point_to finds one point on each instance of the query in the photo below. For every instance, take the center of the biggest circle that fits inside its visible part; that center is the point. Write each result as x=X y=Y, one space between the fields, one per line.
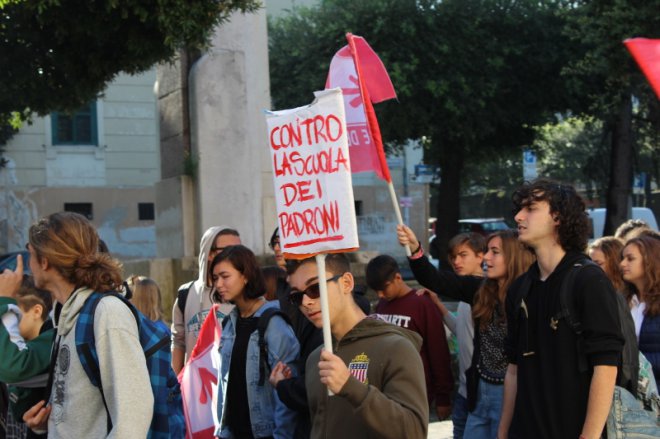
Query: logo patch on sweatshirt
x=359 y=366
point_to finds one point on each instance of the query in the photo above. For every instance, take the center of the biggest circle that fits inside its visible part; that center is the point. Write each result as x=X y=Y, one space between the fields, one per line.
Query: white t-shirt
x=637 y=310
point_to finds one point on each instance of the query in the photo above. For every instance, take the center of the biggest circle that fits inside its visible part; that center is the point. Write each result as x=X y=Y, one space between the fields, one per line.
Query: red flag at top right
x=647 y=54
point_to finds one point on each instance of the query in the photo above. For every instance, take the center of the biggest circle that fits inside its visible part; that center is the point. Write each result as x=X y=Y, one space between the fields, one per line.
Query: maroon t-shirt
x=419 y=314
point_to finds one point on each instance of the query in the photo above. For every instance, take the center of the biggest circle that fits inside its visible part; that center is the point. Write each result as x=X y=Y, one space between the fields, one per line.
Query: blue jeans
x=482 y=423
x=627 y=418
x=459 y=415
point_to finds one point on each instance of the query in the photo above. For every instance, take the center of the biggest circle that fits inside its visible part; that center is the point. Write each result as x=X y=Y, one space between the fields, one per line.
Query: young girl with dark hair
x=505 y=260
x=250 y=407
x=641 y=272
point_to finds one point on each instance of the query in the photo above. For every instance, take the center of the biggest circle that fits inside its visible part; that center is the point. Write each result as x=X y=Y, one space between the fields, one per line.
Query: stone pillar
x=176 y=235
x=229 y=89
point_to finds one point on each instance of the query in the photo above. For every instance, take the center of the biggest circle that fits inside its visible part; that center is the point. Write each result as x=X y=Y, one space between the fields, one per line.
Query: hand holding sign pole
x=313 y=185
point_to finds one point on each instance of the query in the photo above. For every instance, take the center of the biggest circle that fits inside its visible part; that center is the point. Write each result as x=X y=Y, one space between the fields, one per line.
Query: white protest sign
x=312 y=177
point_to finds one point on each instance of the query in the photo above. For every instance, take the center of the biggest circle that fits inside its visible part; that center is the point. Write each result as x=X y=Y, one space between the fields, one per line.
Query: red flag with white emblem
x=363 y=79
x=199 y=381
x=647 y=54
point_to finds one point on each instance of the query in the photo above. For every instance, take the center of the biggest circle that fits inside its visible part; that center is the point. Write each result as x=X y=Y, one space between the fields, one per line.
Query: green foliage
x=9 y=125
x=575 y=150
x=600 y=72
x=60 y=54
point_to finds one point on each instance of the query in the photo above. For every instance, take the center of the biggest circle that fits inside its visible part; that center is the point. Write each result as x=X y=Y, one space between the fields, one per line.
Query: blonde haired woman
x=147 y=299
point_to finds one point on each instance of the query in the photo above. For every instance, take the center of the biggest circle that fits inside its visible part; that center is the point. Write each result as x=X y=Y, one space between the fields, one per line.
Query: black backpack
x=262 y=325
x=182 y=296
x=628 y=370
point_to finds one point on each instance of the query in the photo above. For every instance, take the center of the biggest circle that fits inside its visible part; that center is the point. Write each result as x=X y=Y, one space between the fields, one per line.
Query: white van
x=598 y=219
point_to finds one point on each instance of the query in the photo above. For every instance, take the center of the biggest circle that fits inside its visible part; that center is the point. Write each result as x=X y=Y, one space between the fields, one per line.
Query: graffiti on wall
x=17 y=212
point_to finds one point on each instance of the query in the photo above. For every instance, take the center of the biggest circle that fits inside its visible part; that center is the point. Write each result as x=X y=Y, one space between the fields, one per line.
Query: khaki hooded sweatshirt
x=385 y=397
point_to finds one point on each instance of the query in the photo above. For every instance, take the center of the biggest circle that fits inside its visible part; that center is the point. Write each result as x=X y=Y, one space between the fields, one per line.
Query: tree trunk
x=621 y=159
x=451 y=166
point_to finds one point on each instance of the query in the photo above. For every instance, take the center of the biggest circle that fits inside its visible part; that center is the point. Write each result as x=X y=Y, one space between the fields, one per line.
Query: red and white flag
x=647 y=54
x=363 y=79
x=199 y=381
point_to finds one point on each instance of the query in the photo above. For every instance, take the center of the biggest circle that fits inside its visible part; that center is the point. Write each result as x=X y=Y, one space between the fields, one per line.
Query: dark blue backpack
x=168 y=421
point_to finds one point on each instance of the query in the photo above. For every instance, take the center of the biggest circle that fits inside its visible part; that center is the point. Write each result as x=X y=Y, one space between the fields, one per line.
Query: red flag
x=361 y=75
x=647 y=54
x=199 y=381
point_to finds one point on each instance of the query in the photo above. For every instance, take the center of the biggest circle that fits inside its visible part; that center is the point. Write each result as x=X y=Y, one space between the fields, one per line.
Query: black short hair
x=565 y=204
x=335 y=263
x=274 y=236
x=243 y=260
x=381 y=270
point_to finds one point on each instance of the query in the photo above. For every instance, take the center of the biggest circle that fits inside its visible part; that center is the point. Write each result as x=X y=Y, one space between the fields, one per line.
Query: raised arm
x=440 y=281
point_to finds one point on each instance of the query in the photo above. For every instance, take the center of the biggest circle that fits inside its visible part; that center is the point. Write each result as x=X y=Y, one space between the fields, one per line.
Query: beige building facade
x=102 y=161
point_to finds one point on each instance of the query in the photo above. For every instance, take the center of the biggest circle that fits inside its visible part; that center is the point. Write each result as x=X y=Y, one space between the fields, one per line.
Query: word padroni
x=316 y=220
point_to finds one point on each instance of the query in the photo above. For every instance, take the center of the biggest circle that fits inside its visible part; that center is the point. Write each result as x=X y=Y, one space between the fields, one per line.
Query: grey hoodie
x=77 y=406
x=186 y=326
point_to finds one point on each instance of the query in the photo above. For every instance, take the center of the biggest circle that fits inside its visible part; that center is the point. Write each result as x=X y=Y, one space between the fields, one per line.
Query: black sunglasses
x=313 y=292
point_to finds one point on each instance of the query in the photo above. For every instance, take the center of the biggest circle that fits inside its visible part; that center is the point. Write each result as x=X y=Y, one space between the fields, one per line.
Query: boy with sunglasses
x=401 y=305
x=375 y=373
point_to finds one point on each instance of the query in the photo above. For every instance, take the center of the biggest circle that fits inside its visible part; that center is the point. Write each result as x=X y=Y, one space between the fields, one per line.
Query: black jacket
x=552 y=394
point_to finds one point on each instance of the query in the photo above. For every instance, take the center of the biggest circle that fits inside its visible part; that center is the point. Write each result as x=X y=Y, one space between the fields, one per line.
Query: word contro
x=324 y=161
x=306 y=132
x=313 y=221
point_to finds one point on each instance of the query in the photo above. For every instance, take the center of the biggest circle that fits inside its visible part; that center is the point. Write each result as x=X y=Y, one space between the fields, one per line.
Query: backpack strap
x=520 y=308
x=262 y=325
x=225 y=319
x=86 y=341
x=182 y=296
x=568 y=310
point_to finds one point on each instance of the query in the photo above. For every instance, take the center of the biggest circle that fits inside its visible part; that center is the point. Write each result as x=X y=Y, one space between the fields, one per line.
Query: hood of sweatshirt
x=372 y=327
x=71 y=309
x=204 y=249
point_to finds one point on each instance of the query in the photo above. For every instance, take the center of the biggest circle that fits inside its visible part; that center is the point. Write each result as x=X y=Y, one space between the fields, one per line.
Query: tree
x=60 y=54
x=471 y=75
x=605 y=82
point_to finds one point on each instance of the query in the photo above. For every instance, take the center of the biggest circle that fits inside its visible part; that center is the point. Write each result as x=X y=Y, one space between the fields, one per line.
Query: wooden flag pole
x=325 y=309
x=397 y=211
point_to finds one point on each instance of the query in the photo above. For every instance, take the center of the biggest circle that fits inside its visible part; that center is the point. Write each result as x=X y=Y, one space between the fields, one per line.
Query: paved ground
x=440 y=430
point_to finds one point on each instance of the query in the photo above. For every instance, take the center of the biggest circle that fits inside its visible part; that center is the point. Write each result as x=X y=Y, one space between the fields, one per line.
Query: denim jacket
x=268 y=415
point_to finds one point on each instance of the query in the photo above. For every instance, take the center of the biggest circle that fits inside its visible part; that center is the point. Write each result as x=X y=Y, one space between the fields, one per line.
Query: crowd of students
x=523 y=370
